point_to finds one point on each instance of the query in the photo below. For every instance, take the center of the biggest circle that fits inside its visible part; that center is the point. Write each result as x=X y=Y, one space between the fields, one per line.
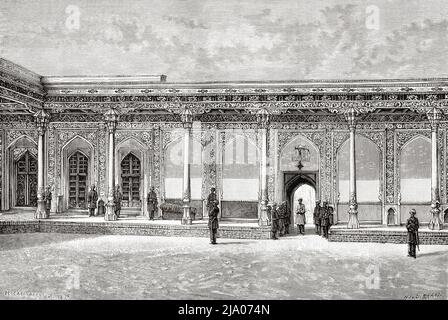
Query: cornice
x=20 y=76
x=147 y=86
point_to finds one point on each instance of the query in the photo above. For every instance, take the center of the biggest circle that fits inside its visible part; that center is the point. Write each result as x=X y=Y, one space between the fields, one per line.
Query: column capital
x=186 y=116
x=111 y=118
x=434 y=116
x=42 y=119
x=263 y=118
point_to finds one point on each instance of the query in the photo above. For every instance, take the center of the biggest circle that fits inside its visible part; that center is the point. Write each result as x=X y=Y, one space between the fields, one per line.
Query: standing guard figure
x=269 y=213
x=274 y=221
x=325 y=220
x=152 y=203
x=281 y=220
x=413 y=240
x=330 y=218
x=92 y=198
x=212 y=200
x=47 y=197
x=213 y=224
x=118 y=197
x=316 y=214
x=321 y=217
x=300 y=217
x=287 y=216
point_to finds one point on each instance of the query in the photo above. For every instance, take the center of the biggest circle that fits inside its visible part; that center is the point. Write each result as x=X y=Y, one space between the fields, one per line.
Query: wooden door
x=78 y=174
x=130 y=181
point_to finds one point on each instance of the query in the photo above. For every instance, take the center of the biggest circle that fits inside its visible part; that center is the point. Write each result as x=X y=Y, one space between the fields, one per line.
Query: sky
x=228 y=40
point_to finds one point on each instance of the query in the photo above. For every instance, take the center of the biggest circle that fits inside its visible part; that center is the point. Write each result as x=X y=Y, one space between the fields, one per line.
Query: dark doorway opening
x=304 y=185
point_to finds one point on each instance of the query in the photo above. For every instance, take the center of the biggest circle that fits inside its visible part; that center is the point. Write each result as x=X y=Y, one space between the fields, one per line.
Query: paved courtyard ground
x=67 y=266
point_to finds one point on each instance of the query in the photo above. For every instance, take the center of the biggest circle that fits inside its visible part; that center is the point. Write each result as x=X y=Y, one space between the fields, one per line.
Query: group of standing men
x=280 y=217
x=93 y=203
x=323 y=218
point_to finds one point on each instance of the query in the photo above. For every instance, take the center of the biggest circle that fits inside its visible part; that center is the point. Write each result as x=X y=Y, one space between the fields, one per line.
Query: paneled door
x=26 y=186
x=78 y=174
x=130 y=181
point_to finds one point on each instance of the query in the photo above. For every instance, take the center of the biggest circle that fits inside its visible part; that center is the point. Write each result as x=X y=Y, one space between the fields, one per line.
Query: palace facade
x=372 y=149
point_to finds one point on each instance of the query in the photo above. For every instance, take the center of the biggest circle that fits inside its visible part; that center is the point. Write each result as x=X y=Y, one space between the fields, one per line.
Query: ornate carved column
x=263 y=125
x=111 y=119
x=42 y=119
x=435 y=223
x=353 y=222
x=187 y=122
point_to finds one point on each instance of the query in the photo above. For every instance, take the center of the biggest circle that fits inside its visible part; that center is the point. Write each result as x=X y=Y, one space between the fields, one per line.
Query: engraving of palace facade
x=371 y=149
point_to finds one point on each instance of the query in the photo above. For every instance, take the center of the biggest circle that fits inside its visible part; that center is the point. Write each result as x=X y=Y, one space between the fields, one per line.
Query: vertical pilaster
x=187 y=122
x=435 y=223
x=111 y=119
x=42 y=119
x=353 y=222
x=263 y=125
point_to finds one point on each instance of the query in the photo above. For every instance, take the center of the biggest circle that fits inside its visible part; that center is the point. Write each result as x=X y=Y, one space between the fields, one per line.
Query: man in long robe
x=213 y=224
x=316 y=214
x=300 y=217
x=92 y=198
x=325 y=220
x=212 y=200
x=47 y=197
x=152 y=203
x=118 y=197
x=412 y=226
x=274 y=221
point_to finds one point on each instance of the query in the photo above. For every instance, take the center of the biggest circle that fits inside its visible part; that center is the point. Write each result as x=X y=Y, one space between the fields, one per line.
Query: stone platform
x=130 y=226
x=383 y=234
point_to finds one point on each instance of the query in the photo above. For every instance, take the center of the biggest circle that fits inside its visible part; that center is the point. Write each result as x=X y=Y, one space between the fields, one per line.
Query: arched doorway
x=301 y=185
x=77 y=180
x=26 y=180
x=390 y=217
x=130 y=181
x=307 y=193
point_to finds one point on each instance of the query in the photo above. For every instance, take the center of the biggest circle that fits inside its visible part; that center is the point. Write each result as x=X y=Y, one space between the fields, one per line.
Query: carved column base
x=435 y=223
x=110 y=212
x=353 y=222
x=41 y=211
x=186 y=219
x=263 y=220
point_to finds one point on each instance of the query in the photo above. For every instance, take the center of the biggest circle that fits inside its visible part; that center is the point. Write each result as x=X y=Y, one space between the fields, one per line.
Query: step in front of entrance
x=20 y=210
x=239 y=220
x=124 y=212
x=130 y=212
x=124 y=228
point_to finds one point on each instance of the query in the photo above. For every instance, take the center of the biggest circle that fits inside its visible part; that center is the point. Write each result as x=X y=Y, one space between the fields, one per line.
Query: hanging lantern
x=301 y=154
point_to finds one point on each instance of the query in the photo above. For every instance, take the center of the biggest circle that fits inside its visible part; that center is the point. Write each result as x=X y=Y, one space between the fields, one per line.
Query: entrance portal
x=301 y=185
x=308 y=195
